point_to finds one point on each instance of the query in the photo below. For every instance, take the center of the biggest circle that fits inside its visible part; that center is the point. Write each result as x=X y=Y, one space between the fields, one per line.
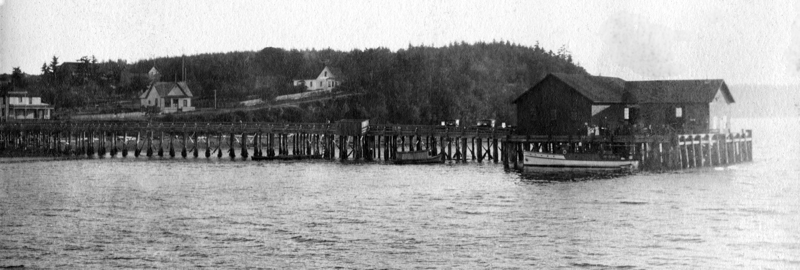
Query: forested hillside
x=417 y=85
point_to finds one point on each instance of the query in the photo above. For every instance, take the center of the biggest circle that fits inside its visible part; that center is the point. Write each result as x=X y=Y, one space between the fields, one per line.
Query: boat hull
x=558 y=162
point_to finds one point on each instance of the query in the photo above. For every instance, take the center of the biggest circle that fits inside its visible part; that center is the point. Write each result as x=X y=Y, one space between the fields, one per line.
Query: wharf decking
x=375 y=142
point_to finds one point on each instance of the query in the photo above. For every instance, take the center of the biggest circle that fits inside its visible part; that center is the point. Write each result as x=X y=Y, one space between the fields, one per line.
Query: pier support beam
x=125 y=144
x=479 y=145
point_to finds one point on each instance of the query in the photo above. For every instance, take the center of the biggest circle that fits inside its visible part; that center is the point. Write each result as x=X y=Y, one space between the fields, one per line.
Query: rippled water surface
x=185 y=213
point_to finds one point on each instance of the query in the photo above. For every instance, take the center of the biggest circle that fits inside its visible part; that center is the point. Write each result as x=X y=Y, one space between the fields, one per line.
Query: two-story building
x=569 y=104
x=18 y=105
x=327 y=79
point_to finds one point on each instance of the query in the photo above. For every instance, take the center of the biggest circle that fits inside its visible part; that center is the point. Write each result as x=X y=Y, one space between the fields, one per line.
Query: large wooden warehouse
x=569 y=104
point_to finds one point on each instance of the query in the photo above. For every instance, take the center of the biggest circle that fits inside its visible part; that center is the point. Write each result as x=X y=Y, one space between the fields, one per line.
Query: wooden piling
x=160 y=144
x=443 y=146
x=271 y=144
x=194 y=144
x=243 y=144
x=125 y=144
x=494 y=149
x=479 y=146
x=171 y=145
x=219 y=144
x=231 y=148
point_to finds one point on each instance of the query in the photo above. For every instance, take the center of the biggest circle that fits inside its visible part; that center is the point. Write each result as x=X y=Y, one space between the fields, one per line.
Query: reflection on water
x=176 y=213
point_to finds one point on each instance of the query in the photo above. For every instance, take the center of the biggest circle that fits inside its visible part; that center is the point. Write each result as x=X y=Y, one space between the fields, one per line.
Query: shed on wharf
x=570 y=104
x=667 y=124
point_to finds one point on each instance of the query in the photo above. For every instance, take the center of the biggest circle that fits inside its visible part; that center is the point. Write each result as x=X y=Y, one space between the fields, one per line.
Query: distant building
x=169 y=97
x=18 y=105
x=154 y=75
x=73 y=69
x=327 y=79
x=567 y=104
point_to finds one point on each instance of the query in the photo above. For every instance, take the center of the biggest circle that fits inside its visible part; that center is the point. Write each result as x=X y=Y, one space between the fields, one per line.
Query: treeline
x=75 y=84
x=416 y=85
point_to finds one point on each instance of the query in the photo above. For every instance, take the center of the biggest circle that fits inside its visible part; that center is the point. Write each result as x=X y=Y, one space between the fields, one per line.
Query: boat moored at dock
x=418 y=157
x=553 y=162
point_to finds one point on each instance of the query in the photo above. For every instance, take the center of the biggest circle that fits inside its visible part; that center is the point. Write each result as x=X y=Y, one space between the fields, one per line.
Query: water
x=176 y=213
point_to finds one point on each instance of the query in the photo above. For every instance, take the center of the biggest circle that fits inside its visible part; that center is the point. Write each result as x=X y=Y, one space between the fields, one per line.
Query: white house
x=170 y=97
x=154 y=75
x=327 y=79
x=17 y=105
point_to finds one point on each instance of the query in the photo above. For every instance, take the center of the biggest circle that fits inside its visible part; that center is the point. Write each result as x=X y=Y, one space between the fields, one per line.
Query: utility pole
x=215 y=99
x=183 y=68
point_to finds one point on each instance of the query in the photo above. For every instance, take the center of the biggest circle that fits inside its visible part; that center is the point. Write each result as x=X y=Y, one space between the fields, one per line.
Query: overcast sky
x=738 y=41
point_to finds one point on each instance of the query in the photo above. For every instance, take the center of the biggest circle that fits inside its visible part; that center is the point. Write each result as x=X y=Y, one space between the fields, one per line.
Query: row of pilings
x=654 y=152
x=376 y=142
x=325 y=141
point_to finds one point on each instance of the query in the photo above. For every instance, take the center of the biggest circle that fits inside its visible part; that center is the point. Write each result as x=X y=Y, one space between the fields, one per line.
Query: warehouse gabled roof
x=606 y=90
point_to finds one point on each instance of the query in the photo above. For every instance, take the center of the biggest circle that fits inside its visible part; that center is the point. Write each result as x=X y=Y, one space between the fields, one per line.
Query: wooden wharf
x=364 y=142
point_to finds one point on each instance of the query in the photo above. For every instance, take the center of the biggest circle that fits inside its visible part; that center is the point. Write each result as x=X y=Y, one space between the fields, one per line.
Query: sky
x=742 y=42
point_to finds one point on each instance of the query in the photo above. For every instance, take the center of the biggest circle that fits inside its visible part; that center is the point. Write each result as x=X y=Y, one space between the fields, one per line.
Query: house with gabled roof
x=169 y=97
x=154 y=75
x=327 y=79
x=569 y=104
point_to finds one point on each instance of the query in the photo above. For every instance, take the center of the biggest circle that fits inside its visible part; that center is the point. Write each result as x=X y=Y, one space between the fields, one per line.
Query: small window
x=185 y=104
x=326 y=74
x=627 y=113
x=678 y=112
x=149 y=102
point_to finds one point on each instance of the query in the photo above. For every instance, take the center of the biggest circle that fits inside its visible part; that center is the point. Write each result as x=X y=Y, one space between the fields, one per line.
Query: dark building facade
x=567 y=104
